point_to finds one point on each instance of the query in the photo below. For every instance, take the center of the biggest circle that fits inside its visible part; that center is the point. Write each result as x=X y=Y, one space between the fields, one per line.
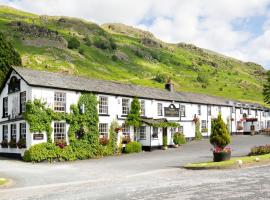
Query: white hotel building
x=60 y=91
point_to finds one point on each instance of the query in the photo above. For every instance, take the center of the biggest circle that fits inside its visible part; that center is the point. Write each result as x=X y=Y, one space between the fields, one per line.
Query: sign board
x=38 y=136
x=171 y=111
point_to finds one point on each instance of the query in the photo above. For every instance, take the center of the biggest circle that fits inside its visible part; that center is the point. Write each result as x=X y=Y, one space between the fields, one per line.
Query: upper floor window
x=142 y=132
x=60 y=101
x=249 y=111
x=256 y=112
x=219 y=109
x=59 y=131
x=22 y=130
x=182 y=110
x=13 y=132
x=22 y=102
x=159 y=108
x=14 y=84
x=143 y=107
x=241 y=110
x=5 y=107
x=103 y=129
x=232 y=109
x=125 y=106
x=209 y=110
x=199 y=109
x=103 y=105
x=5 y=132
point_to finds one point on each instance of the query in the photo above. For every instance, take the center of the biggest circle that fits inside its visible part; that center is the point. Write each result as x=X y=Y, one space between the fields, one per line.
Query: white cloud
x=207 y=23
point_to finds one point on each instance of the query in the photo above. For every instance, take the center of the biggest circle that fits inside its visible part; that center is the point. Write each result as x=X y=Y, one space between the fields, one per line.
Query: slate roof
x=69 y=82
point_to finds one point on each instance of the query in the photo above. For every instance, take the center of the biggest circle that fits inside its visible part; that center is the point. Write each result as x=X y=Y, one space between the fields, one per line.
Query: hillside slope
x=126 y=54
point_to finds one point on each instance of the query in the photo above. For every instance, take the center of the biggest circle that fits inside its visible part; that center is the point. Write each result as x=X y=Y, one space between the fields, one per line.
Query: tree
x=134 y=116
x=220 y=136
x=8 y=56
x=73 y=43
x=266 y=89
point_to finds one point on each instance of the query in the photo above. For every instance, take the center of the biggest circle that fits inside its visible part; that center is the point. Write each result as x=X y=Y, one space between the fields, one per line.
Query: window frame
x=5 y=132
x=60 y=105
x=209 y=111
x=181 y=129
x=142 y=104
x=160 y=109
x=125 y=130
x=199 y=109
x=103 y=105
x=5 y=107
x=155 y=132
x=23 y=134
x=142 y=133
x=182 y=110
x=126 y=107
x=204 y=124
x=13 y=132
x=22 y=104
x=57 y=135
x=105 y=132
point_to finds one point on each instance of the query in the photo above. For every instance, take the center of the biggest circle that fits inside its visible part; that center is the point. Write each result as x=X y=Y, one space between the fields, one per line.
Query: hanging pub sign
x=171 y=111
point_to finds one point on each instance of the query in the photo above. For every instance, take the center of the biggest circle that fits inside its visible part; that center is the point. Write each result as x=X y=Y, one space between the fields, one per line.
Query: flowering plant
x=125 y=139
x=104 y=141
x=220 y=149
x=61 y=143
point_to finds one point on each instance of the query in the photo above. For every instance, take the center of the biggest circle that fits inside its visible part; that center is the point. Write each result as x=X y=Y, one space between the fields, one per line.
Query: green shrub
x=220 y=136
x=81 y=51
x=259 y=150
x=87 y=41
x=198 y=134
x=203 y=78
x=162 y=78
x=179 y=138
x=133 y=147
x=104 y=43
x=165 y=141
x=73 y=43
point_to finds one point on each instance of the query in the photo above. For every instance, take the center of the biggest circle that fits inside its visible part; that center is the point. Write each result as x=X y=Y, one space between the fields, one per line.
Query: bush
x=220 y=136
x=73 y=43
x=259 y=150
x=179 y=138
x=104 y=43
x=133 y=147
x=87 y=41
x=162 y=78
x=203 y=78
x=81 y=51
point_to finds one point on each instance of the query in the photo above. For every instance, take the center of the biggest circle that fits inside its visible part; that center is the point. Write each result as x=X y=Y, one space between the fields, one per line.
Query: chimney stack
x=169 y=85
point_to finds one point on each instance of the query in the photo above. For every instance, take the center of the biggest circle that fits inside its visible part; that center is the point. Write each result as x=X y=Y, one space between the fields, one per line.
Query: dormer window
x=14 y=85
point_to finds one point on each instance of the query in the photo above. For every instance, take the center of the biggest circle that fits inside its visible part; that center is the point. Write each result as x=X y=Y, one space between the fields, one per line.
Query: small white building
x=60 y=91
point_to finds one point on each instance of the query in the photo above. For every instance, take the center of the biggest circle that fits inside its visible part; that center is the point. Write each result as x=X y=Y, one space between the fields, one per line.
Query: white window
x=103 y=129
x=199 y=109
x=181 y=129
x=143 y=107
x=22 y=130
x=103 y=105
x=60 y=101
x=59 y=131
x=219 y=109
x=209 y=110
x=182 y=111
x=125 y=106
x=249 y=111
x=142 y=132
x=256 y=112
x=13 y=132
x=5 y=107
x=155 y=132
x=204 y=126
x=232 y=109
x=241 y=110
x=5 y=132
x=125 y=130
x=22 y=102
x=159 y=108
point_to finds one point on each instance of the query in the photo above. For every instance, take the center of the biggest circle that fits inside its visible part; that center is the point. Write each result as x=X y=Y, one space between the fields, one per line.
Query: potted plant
x=165 y=143
x=4 y=144
x=103 y=141
x=21 y=143
x=61 y=143
x=126 y=139
x=12 y=143
x=220 y=138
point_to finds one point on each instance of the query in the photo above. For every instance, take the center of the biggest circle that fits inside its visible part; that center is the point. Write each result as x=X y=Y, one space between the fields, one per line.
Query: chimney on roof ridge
x=169 y=85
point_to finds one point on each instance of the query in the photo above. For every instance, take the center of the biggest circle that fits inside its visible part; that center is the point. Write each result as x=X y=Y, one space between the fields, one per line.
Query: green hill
x=126 y=54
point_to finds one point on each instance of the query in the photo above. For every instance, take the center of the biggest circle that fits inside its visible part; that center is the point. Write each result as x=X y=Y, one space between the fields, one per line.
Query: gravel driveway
x=147 y=175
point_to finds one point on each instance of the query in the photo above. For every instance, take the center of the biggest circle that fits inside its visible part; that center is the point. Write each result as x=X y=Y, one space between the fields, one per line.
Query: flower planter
x=221 y=156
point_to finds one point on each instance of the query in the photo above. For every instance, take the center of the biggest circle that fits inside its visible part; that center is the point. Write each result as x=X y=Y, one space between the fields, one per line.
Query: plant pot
x=221 y=156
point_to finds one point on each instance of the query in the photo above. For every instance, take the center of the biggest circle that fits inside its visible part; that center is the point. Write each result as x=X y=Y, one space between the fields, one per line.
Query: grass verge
x=231 y=164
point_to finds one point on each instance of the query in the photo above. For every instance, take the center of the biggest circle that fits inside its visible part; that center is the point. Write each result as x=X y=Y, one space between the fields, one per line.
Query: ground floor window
x=59 y=131
x=181 y=129
x=13 y=132
x=239 y=125
x=142 y=132
x=22 y=130
x=5 y=132
x=155 y=132
x=125 y=130
x=204 y=126
x=103 y=129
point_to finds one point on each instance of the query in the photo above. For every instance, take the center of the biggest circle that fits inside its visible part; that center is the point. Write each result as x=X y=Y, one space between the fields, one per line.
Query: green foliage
x=165 y=124
x=8 y=56
x=133 y=147
x=260 y=150
x=198 y=134
x=88 y=41
x=165 y=141
x=219 y=134
x=102 y=42
x=266 y=89
x=134 y=116
x=203 y=78
x=73 y=43
x=162 y=78
x=179 y=138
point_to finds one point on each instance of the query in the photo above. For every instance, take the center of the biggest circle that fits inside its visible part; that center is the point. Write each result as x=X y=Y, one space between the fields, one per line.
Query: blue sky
x=236 y=28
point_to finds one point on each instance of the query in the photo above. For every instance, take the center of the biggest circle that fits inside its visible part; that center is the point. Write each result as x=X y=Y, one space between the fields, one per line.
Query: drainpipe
x=150 y=137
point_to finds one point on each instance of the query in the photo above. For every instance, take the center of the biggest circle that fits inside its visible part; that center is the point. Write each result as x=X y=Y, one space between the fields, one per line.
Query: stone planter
x=221 y=156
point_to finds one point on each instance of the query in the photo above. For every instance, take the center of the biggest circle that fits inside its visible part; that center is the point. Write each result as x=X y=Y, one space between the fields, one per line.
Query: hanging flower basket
x=196 y=119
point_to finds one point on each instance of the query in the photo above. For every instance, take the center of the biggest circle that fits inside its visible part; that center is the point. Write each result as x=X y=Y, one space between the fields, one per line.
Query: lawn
x=246 y=160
